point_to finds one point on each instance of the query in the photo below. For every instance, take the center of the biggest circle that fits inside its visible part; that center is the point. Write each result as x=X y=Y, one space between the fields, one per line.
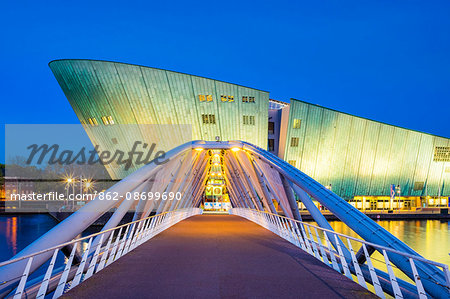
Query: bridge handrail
x=133 y=236
x=76 y=240
x=419 y=258
x=343 y=259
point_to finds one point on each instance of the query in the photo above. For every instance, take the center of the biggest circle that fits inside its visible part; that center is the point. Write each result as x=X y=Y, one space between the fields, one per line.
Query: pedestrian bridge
x=262 y=249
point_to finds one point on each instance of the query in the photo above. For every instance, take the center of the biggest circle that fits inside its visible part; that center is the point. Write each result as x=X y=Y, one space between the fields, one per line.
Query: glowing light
x=199 y=149
x=216 y=156
x=216 y=164
x=235 y=149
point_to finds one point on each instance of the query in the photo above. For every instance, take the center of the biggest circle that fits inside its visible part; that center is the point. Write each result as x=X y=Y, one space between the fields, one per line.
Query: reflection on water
x=430 y=238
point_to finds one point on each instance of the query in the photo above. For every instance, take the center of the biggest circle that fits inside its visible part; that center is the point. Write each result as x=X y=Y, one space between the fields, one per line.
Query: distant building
x=352 y=156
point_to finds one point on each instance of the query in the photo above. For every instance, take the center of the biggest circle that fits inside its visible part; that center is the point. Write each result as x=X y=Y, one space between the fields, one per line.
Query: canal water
x=430 y=238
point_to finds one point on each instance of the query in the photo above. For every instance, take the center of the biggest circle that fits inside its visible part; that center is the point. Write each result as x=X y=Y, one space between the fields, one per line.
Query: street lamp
x=398 y=200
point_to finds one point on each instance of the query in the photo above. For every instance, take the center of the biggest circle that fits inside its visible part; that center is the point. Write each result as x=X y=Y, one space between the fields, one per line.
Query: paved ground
x=217 y=256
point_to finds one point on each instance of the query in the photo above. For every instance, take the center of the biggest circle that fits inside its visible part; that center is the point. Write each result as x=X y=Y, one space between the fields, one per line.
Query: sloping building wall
x=132 y=94
x=357 y=156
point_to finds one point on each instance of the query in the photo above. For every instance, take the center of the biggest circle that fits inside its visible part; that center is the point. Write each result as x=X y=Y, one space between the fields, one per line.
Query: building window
x=248 y=120
x=293 y=162
x=294 y=141
x=114 y=140
x=441 y=154
x=110 y=119
x=297 y=123
x=225 y=98
x=246 y=99
x=271 y=145
x=205 y=97
x=105 y=120
x=271 y=127
x=92 y=121
x=208 y=119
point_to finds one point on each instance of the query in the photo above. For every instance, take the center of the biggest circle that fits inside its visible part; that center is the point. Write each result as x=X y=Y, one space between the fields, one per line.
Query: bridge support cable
x=237 y=184
x=273 y=182
x=248 y=168
x=239 y=179
x=264 y=188
x=197 y=176
x=291 y=198
x=182 y=178
x=230 y=158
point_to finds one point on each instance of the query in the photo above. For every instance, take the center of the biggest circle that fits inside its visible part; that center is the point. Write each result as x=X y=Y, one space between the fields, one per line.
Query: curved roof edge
x=380 y=122
x=131 y=64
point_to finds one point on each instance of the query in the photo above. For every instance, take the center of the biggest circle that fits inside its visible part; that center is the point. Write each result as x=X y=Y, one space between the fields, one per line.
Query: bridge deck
x=217 y=256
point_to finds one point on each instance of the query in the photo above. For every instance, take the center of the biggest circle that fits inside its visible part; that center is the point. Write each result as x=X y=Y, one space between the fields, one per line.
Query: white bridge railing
x=344 y=259
x=121 y=240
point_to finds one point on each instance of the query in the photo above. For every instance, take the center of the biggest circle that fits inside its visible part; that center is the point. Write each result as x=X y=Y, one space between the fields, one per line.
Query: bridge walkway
x=217 y=256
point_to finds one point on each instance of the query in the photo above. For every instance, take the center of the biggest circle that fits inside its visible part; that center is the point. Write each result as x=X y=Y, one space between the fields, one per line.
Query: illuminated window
x=230 y=98
x=201 y=98
x=209 y=98
x=294 y=141
x=223 y=98
x=110 y=119
x=83 y=122
x=212 y=119
x=293 y=162
x=441 y=154
x=251 y=99
x=92 y=121
x=297 y=123
x=244 y=99
x=105 y=120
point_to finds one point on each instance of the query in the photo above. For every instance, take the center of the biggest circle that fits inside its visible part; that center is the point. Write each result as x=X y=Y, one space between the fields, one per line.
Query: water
x=16 y=232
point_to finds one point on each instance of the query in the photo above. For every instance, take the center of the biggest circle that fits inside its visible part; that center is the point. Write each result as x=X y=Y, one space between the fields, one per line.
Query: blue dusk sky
x=384 y=60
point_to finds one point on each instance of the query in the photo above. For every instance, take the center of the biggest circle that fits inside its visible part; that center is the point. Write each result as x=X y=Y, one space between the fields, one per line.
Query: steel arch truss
x=255 y=179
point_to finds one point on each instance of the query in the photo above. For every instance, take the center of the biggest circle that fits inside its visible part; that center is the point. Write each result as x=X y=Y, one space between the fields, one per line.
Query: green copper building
x=354 y=156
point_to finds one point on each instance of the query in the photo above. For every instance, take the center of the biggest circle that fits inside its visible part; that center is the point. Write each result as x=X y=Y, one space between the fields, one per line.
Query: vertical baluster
x=299 y=236
x=44 y=285
x=358 y=272
x=23 y=280
x=101 y=265
x=113 y=251
x=305 y=238
x=62 y=281
x=373 y=274
x=93 y=262
x=420 y=290
x=130 y=237
x=332 y=255
x=322 y=249
x=316 y=252
x=394 y=283
x=122 y=244
x=342 y=258
x=76 y=280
